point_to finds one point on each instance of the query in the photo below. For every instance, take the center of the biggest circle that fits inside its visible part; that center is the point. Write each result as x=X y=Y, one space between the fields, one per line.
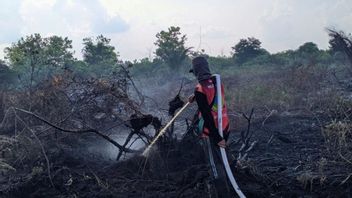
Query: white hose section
x=222 y=150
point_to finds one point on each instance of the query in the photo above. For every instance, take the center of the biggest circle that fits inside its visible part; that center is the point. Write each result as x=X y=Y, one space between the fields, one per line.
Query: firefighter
x=205 y=96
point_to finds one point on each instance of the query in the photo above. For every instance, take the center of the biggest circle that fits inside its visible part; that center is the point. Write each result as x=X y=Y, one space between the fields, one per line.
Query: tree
x=308 y=48
x=34 y=57
x=58 y=51
x=283 y=58
x=171 y=47
x=7 y=76
x=99 y=54
x=247 y=49
x=309 y=51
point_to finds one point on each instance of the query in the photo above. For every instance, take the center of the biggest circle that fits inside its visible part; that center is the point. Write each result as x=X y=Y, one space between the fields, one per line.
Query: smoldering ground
x=61 y=138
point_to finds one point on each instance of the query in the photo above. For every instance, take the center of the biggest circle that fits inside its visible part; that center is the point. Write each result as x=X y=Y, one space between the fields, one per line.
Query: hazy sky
x=213 y=25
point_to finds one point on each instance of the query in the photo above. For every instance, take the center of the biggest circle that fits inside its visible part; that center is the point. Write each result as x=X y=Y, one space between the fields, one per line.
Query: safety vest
x=208 y=88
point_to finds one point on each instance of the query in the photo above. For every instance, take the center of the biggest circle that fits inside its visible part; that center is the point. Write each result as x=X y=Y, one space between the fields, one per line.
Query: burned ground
x=298 y=142
x=290 y=160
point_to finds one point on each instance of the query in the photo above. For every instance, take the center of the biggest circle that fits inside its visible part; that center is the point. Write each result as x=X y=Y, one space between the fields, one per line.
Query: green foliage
x=219 y=63
x=58 y=52
x=7 y=76
x=79 y=68
x=247 y=49
x=26 y=52
x=35 y=50
x=308 y=48
x=324 y=57
x=308 y=51
x=145 y=67
x=283 y=58
x=171 y=47
x=99 y=51
x=35 y=58
x=99 y=55
x=265 y=59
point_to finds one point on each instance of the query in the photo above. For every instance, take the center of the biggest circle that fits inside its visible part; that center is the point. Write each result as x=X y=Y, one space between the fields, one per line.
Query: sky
x=212 y=25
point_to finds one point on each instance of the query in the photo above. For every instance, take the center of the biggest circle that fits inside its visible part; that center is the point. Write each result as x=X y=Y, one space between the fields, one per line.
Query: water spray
x=162 y=131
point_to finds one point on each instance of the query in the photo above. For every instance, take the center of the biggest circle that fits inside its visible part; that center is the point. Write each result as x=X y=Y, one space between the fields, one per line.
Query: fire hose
x=222 y=150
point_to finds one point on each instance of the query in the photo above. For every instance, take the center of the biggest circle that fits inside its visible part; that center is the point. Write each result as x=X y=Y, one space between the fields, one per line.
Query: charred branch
x=140 y=122
x=89 y=130
x=246 y=136
x=175 y=104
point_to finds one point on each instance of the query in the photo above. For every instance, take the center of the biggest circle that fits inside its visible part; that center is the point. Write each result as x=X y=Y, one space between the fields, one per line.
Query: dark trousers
x=217 y=169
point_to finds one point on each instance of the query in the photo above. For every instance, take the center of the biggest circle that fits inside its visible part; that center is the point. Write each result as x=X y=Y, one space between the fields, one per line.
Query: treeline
x=34 y=59
x=246 y=53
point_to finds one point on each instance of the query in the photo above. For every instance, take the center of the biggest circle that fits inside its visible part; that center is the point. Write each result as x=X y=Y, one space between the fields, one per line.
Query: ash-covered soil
x=289 y=160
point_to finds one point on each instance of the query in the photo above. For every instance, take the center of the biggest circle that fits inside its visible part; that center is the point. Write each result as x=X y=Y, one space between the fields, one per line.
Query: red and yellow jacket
x=205 y=95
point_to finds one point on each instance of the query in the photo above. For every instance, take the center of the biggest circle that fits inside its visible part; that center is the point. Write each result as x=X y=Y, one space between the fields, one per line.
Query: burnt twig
x=246 y=137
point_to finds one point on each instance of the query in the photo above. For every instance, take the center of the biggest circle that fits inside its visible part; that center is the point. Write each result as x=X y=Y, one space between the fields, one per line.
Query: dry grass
x=5 y=146
x=339 y=134
x=307 y=179
x=277 y=88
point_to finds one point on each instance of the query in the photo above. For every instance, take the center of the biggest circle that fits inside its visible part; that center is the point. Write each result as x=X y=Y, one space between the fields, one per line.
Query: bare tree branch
x=79 y=131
